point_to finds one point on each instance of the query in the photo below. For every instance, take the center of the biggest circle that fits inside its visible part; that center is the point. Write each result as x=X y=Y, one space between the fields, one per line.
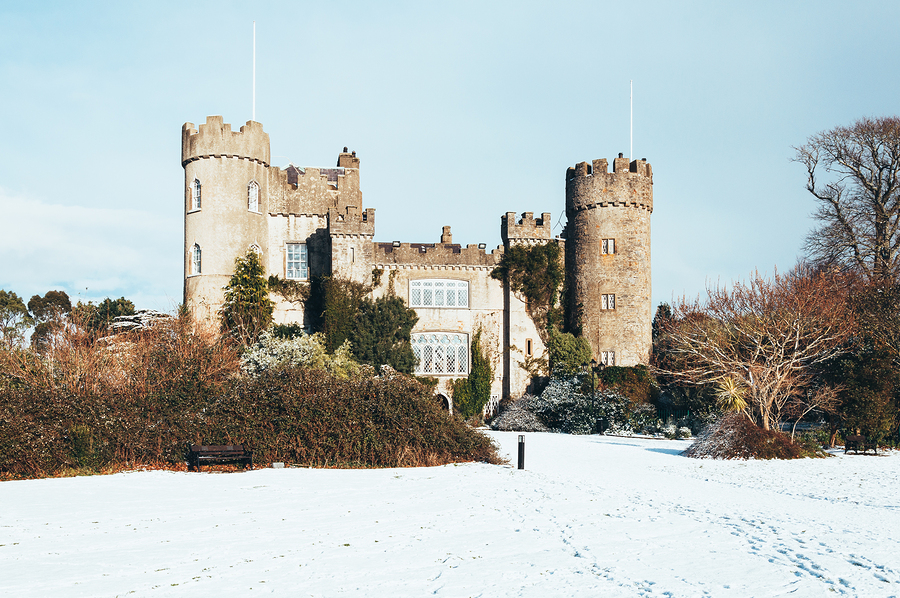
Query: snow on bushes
x=517 y=417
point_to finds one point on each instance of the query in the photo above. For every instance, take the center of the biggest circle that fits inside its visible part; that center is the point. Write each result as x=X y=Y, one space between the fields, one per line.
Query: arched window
x=195 y=259
x=441 y=353
x=195 y=195
x=253 y=196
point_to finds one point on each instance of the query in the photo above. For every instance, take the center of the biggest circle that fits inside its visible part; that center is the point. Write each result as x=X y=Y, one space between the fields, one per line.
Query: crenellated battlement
x=351 y=221
x=526 y=228
x=215 y=139
x=590 y=185
x=435 y=254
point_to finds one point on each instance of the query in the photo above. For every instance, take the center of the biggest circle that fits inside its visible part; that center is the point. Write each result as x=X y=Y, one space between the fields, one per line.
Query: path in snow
x=590 y=516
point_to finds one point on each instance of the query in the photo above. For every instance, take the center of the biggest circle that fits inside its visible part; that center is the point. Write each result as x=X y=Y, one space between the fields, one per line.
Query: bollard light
x=521 y=452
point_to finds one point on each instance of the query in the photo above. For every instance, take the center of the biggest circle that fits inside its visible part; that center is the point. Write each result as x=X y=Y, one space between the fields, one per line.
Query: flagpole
x=254 y=70
x=631 y=122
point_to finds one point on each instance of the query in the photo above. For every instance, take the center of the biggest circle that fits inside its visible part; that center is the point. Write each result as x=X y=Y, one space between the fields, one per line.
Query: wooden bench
x=220 y=453
x=857 y=443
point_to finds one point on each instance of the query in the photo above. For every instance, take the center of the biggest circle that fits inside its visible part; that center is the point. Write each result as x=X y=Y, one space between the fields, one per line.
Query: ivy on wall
x=536 y=273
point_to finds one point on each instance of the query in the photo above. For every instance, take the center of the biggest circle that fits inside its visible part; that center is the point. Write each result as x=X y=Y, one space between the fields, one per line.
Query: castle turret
x=608 y=257
x=226 y=194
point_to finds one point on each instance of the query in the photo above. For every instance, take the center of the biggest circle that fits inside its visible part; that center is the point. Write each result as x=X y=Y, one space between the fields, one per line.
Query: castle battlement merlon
x=351 y=221
x=215 y=139
x=526 y=228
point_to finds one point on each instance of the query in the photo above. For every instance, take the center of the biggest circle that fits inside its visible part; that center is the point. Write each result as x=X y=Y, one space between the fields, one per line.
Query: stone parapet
x=215 y=139
x=435 y=254
x=590 y=186
x=527 y=228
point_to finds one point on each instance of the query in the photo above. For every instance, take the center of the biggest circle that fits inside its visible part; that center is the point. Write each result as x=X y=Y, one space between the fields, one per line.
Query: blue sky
x=459 y=111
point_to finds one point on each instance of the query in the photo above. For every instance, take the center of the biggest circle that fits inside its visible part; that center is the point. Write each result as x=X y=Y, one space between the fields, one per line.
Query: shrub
x=567 y=352
x=734 y=436
x=143 y=396
x=517 y=417
x=472 y=393
x=272 y=352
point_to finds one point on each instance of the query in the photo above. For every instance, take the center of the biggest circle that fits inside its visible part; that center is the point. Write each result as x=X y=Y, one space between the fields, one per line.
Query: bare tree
x=854 y=174
x=765 y=336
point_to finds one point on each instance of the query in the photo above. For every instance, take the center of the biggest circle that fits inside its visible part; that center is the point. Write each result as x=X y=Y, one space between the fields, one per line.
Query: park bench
x=857 y=443
x=228 y=453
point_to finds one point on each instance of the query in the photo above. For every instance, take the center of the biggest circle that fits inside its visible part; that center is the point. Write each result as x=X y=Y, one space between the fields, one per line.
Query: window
x=195 y=259
x=607 y=301
x=529 y=348
x=441 y=353
x=608 y=246
x=297 y=262
x=253 y=196
x=438 y=293
x=608 y=357
x=195 y=195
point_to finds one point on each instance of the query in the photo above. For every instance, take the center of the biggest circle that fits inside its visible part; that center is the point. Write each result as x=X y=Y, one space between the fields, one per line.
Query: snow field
x=590 y=516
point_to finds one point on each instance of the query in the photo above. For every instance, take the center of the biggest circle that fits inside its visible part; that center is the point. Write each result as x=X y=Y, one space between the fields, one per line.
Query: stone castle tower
x=608 y=257
x=221 y=168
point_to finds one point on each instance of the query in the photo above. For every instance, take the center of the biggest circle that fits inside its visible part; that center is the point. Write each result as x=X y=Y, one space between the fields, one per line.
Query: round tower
x=226 y=193
x=608 y=258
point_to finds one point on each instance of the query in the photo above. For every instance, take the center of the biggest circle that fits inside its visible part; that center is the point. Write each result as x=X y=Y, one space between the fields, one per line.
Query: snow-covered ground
x=590 y=516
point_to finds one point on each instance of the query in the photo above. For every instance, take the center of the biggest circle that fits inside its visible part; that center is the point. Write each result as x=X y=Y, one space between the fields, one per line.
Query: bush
x=471 y=394
x=734 y=436
x=273 y=352
x=143 y=396
x=517 y=417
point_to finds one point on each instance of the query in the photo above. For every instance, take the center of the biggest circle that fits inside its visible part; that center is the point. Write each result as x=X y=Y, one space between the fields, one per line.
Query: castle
x=305 y=222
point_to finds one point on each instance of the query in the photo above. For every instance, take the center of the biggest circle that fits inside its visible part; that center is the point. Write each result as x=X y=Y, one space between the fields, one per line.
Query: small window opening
x=253 y=196
x=529 y=349
x=195 y=195
x=195 y=259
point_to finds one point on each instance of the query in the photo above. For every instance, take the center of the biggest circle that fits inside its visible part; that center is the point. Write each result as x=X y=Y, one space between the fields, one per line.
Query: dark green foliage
x=636 y=383
x=381 y=333
x=287 y=330
x=247 y=311
x=307 y=417
x=49 y=313
x=870 y=395
x=471 y=394
x=98 y=317
x=14 y=318
x=536 y=273
x=568 y=352
x=333 y=306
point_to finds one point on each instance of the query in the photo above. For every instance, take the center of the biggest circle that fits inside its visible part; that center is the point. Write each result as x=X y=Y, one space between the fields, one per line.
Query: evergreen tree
x=49 y=312
x=334 y=305
x=381 y=334
x=14 y=318
x=471 y=394
x=97 y=317
x=247 y=311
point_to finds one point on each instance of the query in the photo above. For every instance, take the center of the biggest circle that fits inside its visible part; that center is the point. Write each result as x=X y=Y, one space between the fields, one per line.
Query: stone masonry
x=236 y=200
